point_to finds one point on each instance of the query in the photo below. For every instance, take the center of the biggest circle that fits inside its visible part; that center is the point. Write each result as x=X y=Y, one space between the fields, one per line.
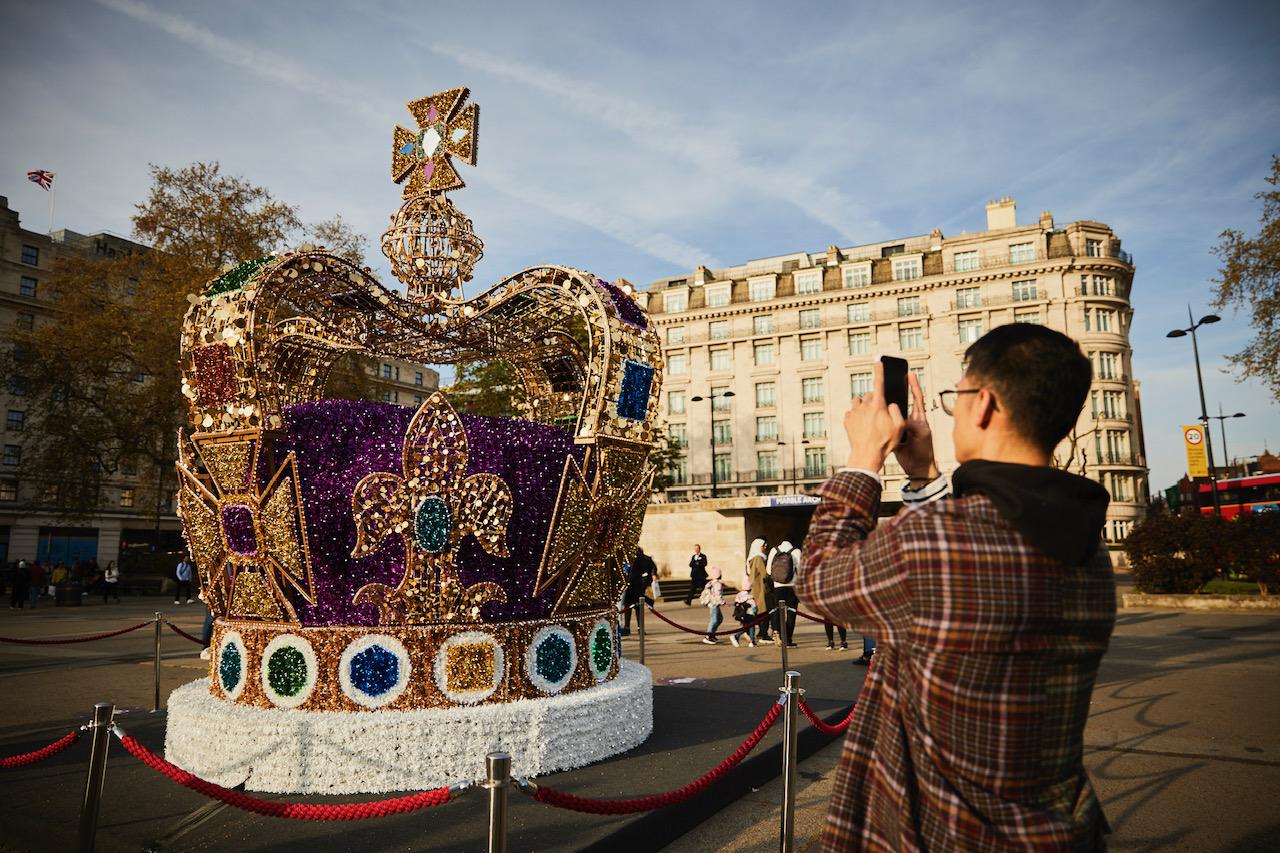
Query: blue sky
x=638 y=140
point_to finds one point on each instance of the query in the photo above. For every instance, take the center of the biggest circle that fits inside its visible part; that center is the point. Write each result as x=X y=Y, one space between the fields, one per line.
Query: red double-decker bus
x=1258 y=493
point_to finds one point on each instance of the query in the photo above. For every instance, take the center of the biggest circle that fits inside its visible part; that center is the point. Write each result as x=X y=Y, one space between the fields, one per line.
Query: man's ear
x=984 y=408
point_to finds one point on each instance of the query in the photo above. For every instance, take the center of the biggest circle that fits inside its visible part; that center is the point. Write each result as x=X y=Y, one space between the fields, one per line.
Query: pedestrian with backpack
x=761 y=584
x=744 y=610
x=784 y=561
x=712 y=598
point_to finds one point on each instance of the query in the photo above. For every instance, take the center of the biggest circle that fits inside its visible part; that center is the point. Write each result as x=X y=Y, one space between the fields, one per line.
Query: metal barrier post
x=790 y=727
x=498 y=767
x=103 y=712
x=640 y=626
x=155 y=700
x=783 y=637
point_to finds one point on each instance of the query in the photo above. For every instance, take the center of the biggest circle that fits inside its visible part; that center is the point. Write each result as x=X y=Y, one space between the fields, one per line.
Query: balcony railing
x=989 y=260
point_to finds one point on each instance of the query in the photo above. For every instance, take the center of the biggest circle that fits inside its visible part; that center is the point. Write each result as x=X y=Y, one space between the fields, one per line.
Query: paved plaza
x=1182 y=742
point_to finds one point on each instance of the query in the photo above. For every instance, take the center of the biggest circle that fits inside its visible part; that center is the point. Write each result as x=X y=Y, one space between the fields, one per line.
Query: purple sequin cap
x=338 y=442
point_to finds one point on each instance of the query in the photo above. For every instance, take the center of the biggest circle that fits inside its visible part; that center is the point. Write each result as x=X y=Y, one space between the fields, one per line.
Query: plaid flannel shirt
x=969 y=729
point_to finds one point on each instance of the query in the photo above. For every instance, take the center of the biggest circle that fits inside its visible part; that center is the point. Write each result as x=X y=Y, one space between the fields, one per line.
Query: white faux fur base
x=324 y=752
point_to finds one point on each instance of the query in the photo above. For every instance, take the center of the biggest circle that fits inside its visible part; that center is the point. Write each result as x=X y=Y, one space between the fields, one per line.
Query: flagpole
x=53 y=194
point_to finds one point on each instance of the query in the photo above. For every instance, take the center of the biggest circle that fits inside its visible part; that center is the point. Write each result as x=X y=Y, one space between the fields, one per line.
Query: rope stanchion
x=84 y=639
x=295 y=811
x=813 y=618
x=561 y=800
x=28 y=758
x=824 y=727
x=744 y=626
x=181 y=633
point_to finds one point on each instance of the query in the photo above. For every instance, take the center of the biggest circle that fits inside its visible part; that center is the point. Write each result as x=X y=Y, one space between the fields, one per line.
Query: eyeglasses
x=948 y=398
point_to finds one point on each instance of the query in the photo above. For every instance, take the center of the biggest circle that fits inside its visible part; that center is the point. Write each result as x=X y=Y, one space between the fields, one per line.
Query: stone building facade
x=775 y=348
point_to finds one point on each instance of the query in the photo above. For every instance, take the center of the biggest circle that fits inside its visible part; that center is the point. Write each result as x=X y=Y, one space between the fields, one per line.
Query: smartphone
x=895 y=382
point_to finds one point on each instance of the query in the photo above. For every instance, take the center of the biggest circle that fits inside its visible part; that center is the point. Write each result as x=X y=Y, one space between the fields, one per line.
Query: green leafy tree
x=1250 y=278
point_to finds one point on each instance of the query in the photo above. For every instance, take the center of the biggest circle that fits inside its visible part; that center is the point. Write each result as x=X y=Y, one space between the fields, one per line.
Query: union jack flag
x=43 y=177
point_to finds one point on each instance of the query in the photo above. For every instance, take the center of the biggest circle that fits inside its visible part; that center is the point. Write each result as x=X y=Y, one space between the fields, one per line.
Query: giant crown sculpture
x=396 y=592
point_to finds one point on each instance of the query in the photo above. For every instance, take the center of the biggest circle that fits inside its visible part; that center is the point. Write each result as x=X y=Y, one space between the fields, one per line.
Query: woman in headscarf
x=761 y=585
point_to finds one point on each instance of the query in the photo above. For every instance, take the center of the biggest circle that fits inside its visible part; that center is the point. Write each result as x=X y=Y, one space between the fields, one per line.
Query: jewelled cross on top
x=445 y=128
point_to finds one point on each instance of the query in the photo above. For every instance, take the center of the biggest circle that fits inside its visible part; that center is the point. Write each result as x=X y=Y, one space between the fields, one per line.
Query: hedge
x=1181 y=553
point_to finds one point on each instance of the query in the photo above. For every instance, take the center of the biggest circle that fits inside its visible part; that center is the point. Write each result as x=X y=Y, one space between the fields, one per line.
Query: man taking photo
x=991 y=608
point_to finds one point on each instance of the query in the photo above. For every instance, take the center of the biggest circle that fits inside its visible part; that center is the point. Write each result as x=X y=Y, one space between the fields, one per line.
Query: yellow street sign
x=1197 y=459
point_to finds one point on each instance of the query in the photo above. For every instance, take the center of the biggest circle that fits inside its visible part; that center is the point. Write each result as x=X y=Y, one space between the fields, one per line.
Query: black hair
x=1039 y=376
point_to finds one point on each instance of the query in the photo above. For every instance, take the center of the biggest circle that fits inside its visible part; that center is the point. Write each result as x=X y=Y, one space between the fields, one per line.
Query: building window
x=723 y=429
x=675 y=335
x=724 y=467
x=386 y=396
x=718 y=296
x=720 y=359
x=909 y=306
x=397 y=373
x=809 y=282
x=860 y=383
x=1107 y=404
x=1106 y=365
x=386 y=371
x=762 y=324
x=919 y=372
x=417 y=378
x=678 y=471
x=678 y=435
x=675 y=301
x=139 y=377
x=1102 y=286
x=815 y=425
x=720 y=402
x=811 y=318
x=766 y=395
x=811 y=349
x=8 y=490
x=1099 y=320
x=966 y=261
x=910 y=337
x=970 y=330
x=718 y=330
x=766 y=464
x=1032 y=317
x=1093 y=248
x=859 y=343
x=1121 y=488
x=1020 y=253
x=27 y=287
x=678 y=364
x=126 y=498
x=859 y=312
x=968 y=297
x=16 y=387
x=1024 y=291
x=763 y=354
x=417 y=399
x=12 y=454
x=767 y=428
x=857 y=276
x=25 y=321
x=762 y=290
x=30 y=255
x=812 y=389
x=906 y=269
x=15 y=421
x=815 y=462
x=676 y=401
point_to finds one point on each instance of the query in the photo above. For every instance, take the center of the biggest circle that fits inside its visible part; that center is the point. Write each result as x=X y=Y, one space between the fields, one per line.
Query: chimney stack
x=1001 y=214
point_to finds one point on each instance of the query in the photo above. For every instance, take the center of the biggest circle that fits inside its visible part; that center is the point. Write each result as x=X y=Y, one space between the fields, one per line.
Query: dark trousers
x=184 y=591
x=786 y=597
x=110 y=589
x=206 y=631
x=831 y=639
x=18 y=598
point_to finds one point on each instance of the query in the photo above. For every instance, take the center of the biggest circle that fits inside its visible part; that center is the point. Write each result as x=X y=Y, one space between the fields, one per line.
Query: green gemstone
x=238 y=277
x=601 y=650
x=230 y=666
x=431 y=525
x=286 y=671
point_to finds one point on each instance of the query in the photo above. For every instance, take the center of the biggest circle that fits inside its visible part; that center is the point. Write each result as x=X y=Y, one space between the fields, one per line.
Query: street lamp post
x=712 y=397
x=1204 y=409
x=794 y=488
x=1221 y=419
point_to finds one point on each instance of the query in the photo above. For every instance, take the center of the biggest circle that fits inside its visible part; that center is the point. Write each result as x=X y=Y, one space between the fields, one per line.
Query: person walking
x=761 y=584
x=712 y=597
x=697 y=573
x=744 y=610
x=992 y=603
x=639 y=575
x=831 y=636
x=784 y=561
x=111 y=582
x=21 y=582
x=185 y=572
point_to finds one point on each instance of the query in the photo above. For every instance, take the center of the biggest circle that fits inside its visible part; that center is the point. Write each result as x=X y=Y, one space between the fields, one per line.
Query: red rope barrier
x=812 y=618
x=77 y=639
x=181 y=633
x=824 y=727
x=40 y=754
x=744 y=626
x=271 y=808
x=559 y=799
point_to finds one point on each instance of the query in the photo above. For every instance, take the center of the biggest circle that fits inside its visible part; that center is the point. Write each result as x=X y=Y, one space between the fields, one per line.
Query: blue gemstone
x=431 y=525
x=230 y=667
x=375 y=670
x=551 y=658
x=407 y=148
x=633 y=398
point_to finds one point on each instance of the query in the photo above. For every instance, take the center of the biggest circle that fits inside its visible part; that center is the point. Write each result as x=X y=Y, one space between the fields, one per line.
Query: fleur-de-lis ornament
x=431 y=508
